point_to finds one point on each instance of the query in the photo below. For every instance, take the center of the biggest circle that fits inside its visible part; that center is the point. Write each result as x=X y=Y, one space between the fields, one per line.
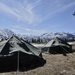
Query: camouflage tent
x=57 y=45
x=16 y=53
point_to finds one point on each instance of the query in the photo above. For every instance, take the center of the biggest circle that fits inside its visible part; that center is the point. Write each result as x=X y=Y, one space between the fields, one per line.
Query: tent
x=57 y=45
x=15 y=53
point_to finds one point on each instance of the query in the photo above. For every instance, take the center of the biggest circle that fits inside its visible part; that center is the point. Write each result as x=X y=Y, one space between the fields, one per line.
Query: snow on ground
x=72 y=43
x=38 y=45
x=42 y=45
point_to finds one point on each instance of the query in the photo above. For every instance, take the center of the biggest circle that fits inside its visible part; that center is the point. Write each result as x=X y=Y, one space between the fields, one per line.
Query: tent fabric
x=28 y=54
x=57 y=45
x=25 y=61
x=15 y=44
x=57 y=41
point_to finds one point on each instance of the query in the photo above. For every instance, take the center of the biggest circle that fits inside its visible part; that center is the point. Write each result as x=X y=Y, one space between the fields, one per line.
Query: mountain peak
x=5 y=33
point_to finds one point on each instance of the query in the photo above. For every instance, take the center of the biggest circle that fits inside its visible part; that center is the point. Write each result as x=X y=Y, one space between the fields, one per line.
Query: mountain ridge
x=6 y=33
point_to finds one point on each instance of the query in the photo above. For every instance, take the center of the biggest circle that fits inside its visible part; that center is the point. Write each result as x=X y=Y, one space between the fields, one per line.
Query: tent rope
x=64 y=49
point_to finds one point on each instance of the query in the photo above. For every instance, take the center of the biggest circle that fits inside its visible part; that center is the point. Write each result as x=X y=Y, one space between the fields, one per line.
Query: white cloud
x=22 y=12
x=58 y=7
x=65 y=7
x=21 y=30
x=27 y=12
x=7 y=9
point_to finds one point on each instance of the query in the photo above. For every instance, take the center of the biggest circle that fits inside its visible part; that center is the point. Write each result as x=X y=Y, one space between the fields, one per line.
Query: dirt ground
x=55 y=65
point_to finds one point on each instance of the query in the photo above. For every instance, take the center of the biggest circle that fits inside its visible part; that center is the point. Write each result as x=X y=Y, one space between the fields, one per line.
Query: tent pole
x=18 y=62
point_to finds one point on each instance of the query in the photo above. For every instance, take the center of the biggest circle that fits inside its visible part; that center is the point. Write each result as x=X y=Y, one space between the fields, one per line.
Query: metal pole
x=18 y=62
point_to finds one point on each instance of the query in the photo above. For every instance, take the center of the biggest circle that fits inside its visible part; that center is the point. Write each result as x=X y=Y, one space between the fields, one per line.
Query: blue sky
x=37 y=16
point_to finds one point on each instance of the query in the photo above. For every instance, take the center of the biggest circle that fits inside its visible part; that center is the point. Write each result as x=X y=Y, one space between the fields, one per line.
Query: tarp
x=57 y=45
x=16 y=52
x=16 y=44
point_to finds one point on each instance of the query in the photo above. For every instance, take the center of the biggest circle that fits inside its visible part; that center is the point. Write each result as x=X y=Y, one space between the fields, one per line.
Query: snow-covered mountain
x=62 y=35
x=28 y=37
x=6 y=33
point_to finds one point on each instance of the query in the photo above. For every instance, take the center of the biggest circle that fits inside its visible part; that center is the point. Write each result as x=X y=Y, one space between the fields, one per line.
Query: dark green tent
x=57 y=45
x=16 y=53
